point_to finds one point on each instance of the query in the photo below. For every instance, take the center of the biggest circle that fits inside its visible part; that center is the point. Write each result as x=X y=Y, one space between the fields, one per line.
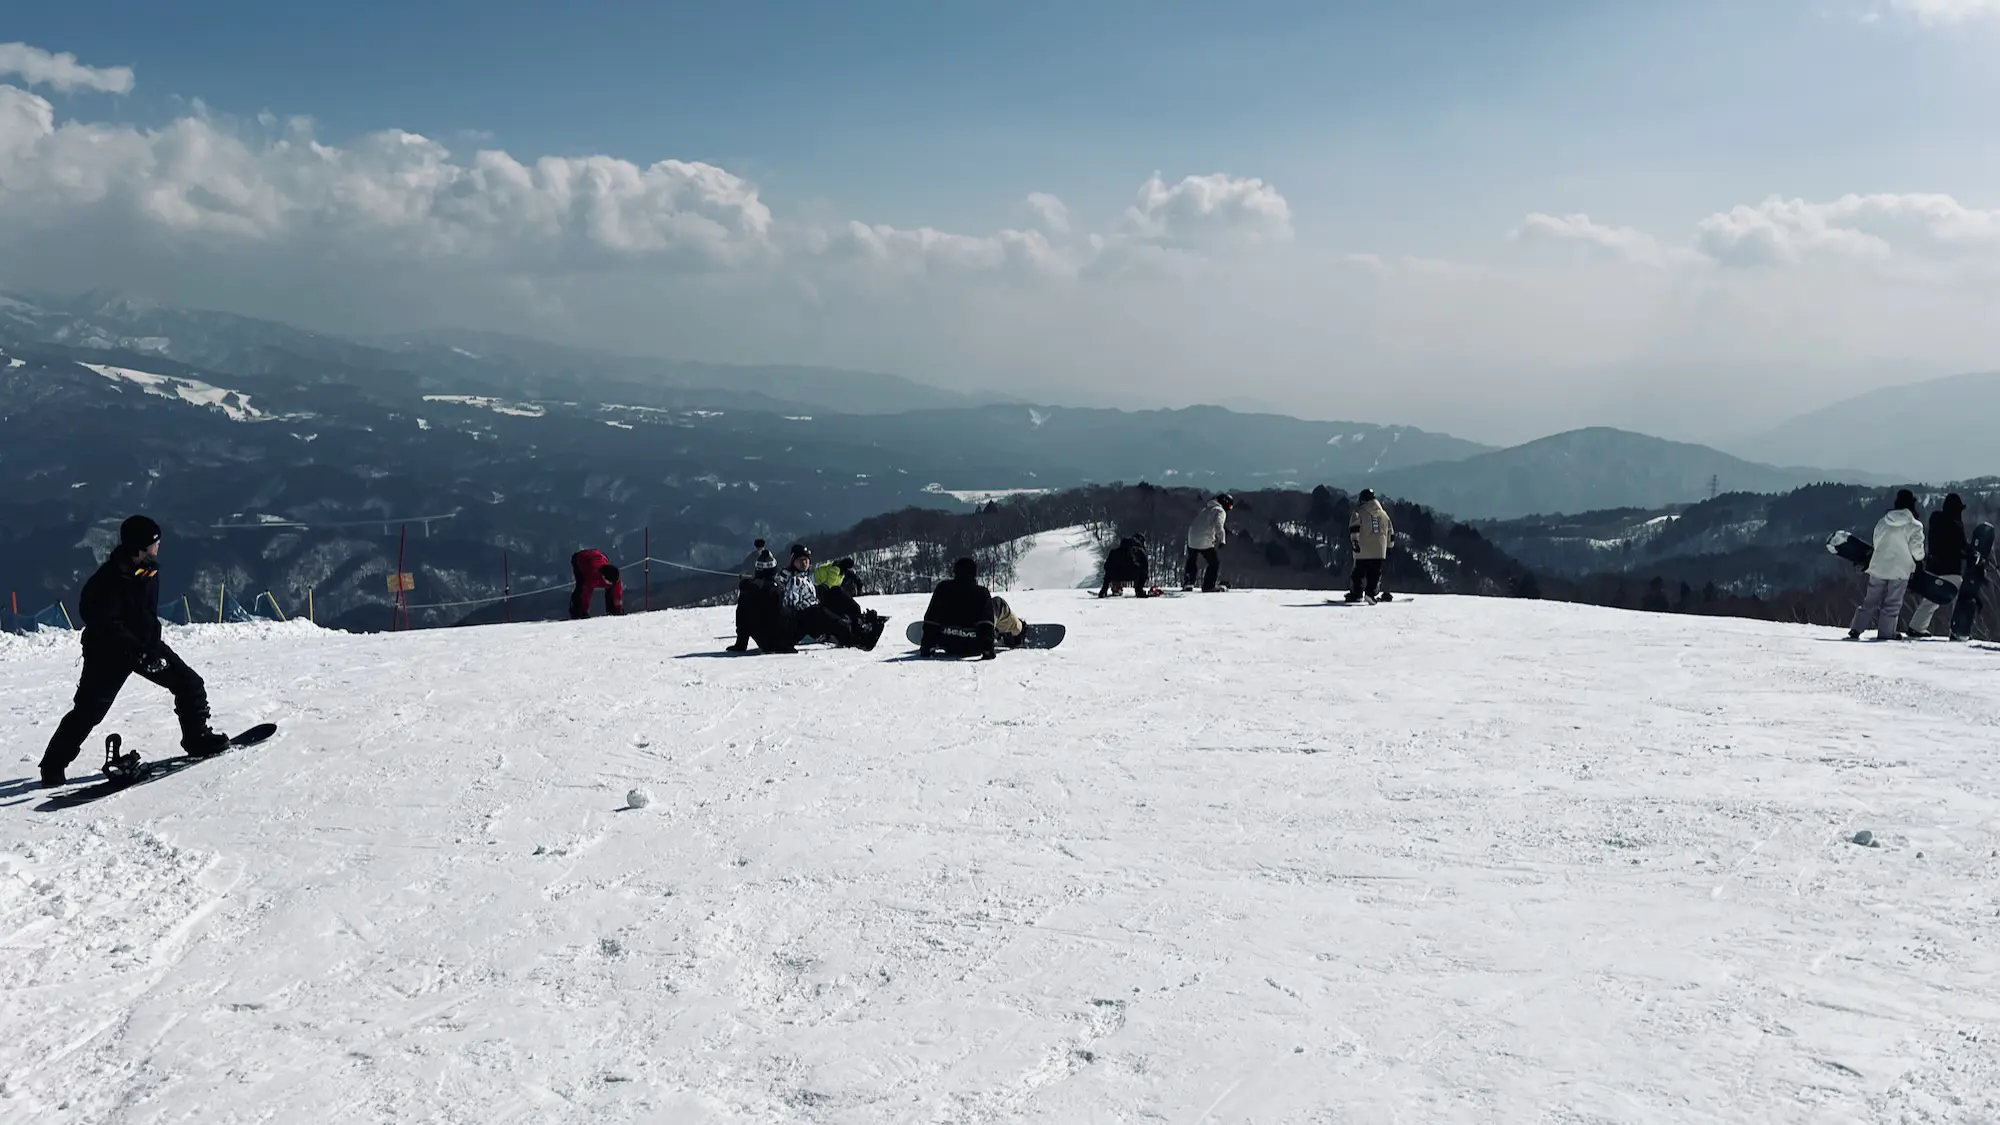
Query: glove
x=153 y=661
x=1354 y=543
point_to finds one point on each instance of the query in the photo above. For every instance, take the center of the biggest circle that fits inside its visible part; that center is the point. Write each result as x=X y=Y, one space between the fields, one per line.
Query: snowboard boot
x=872 y=625
x=1854 y=634
x=1385 y=596
x=742 y=645
x=52 y=777
x=203 y=743
x=1352 y=597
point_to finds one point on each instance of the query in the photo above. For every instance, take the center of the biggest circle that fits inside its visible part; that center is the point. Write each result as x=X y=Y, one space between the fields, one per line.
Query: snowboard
x=1399 y=598
x=1972 y=590
x=1923 y=583
x=124 y=769
x=1036 y=636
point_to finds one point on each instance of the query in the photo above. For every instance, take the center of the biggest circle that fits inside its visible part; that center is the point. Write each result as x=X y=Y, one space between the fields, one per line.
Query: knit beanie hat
x=765 y=561
x=965 y=568
x=1906 y=500
x=138 y=533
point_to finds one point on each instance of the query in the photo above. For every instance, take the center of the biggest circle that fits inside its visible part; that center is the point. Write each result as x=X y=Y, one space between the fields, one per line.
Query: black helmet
x=1226 y=500
x=609 y=573
x=801 y=551
x=1367 y=494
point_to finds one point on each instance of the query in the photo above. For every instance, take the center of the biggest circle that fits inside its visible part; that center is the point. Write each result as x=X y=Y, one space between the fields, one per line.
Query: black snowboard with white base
x=125 y=768
x=1860 y=552
x=1032 y=636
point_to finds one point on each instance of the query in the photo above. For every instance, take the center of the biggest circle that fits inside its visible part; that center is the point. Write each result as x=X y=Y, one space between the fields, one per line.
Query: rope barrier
x=568 y=585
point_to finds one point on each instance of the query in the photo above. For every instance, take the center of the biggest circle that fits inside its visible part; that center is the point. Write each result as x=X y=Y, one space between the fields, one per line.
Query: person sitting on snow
x=594 y=572
x=759 y=608
x=1127 y=565
x=796 y=615
x=959 y=620
x=837 y=586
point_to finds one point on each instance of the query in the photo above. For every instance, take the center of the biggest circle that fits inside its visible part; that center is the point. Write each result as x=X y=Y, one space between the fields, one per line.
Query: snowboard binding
x=121 y=765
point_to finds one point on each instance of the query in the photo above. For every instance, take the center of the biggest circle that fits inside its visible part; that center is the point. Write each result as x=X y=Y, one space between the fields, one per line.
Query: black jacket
x=1946 y=548
x=1126 y=563
x=761 y=613
x=121 y=609
x=961 y=605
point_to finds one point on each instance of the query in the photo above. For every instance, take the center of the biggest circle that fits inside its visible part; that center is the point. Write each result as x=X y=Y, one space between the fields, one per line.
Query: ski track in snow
x=1222 y=858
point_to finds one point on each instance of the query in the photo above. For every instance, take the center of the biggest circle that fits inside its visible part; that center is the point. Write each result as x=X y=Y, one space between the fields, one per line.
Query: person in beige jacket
x=1370 y=533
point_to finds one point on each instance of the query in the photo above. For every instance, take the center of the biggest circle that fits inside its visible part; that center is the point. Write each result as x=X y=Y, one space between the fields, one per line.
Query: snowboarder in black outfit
x=1944 y=555
x=1127 y=565
x=758 y=605
x=959 y=620
x=121 y=636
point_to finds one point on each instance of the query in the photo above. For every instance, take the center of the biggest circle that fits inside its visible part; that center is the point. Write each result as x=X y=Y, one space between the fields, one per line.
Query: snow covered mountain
x=1240 y=857
x=1591 y=470
x=1938 y=430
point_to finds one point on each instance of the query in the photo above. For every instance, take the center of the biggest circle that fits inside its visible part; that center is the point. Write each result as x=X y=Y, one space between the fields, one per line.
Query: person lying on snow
x=1127 y=565
x=594 y=572
x=959 y=621
x=121 y=635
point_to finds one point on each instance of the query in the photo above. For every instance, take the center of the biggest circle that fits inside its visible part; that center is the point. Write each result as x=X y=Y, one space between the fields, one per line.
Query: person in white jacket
x=1209 y=531
x=1899 y=547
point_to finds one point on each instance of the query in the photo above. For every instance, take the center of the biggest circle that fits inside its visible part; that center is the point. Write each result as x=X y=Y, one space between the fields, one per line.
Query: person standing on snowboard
x=959 y=620
x=1899 y=547
x=594 y=572
x=1944 y=556
x=1208 y=532
x=1371 y=534
x=121 y=636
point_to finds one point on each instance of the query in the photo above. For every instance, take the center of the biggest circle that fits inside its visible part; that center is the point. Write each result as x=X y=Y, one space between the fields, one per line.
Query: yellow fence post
x=221 y=595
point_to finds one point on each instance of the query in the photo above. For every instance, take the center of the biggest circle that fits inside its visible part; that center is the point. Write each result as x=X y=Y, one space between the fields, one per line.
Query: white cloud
x=1208 y=214
x=37 y=67
x=1910 y=226
x=1948 y=11
x=1617 y=243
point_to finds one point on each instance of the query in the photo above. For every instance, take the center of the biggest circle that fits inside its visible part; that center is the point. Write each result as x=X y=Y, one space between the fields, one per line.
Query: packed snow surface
x=1059 y=560
x=1228 y=858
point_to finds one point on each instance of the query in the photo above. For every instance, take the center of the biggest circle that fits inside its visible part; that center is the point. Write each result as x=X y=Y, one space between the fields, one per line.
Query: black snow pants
x=1367 y=577
x=819 y=621
x=103 y=675
x=1197 y=556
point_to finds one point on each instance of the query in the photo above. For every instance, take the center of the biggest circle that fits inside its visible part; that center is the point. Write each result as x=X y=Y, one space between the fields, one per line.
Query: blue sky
x=1426 y=128
x=920 y=112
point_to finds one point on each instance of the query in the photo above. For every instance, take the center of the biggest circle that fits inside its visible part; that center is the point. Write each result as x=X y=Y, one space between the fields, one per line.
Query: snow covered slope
x=1066 y=559
x=1222 y=858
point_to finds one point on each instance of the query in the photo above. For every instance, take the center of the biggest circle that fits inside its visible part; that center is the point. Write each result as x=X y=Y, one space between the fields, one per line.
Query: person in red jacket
x=594 y=572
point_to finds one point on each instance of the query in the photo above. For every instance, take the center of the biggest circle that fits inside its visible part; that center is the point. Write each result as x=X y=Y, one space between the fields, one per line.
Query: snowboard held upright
x=1972 y=589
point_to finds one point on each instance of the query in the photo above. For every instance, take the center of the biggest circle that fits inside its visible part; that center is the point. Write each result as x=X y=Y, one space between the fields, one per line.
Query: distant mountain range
x=286 y=460
x=1590 y=470
x=1939 y=430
